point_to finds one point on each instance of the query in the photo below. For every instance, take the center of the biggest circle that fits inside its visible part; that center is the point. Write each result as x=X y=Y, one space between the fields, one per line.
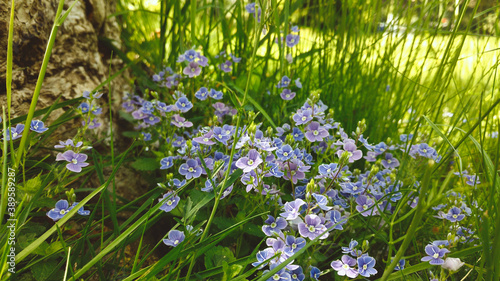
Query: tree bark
x=78 y=62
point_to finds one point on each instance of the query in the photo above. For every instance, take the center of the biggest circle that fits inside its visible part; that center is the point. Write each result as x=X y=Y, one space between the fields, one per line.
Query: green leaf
x=126 y=116
x=217 y=255
x=130 y=134
x=43 y=270
x=146 y=164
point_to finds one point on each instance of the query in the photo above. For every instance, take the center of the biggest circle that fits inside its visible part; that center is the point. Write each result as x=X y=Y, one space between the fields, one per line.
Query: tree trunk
x=78 y=62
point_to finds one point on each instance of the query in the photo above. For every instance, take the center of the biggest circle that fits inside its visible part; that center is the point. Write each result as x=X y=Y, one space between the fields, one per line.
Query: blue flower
x=302 y=117
x=335 y=219
x=390 y=161
x=298 y=84
x=223 y=134
x=455 y=214
x=322 y=201
x=190 y=55
x=84 y=107
x=297 y=134
x=273 y=225
x=249 y=162
x=190 y=169
x=61 y=209
x=202 y=93
x=226 y=66
x=352 y=188
x=151 y=120
x=285 y=152
x=147 y=136
x=400 y=265
x=434 y=254
x=315 y=273
x=80 y=211
x=183 y=104
x=287 y=94
x=365 y=266
x=292 y=40
x=37 y=126
x=328 y=169
x=284 y=82
x=351 y=249
x=176 y=183
x=292 y=209
x=14 y=133
x=250 y=8
x=166 y=162
x=175 y=237
x=281 y=275
x=365 y=206
x=293 y=245
x=344 y=267
x=297 y=274
x=263 y=256
x=170 y=203
x=216 y=95
x=312 y=227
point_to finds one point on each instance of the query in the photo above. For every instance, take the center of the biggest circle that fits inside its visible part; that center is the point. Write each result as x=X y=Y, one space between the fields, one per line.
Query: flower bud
x=269 y=131
x=344 y=157
x=452 y=264
x=310 y=186
x=289 y=139
x=189 y=145
x=252 y=128
x=375 y=169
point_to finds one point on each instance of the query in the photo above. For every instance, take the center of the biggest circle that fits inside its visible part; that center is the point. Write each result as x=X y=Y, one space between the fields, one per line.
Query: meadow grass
x=408 y=78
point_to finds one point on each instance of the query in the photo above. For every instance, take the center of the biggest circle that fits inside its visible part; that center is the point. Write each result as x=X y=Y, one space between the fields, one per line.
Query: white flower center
x=276 y=277
x=312 y=228
x=436 y=255
x=315 y=132
x=205 y=139
x=273 y=225
x=294 y=246
x=285 y=153
x=355 y=188
x=62 y=212
x=345 y=266
x=74 y=161
x=176 y=242
x=170 y=202
x=365 y=266
x=250 y=162
x=365 y=207
x=304 y=118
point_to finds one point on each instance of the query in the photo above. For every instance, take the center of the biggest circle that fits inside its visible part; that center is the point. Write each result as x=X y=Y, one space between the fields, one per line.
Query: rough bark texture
x=78 y=63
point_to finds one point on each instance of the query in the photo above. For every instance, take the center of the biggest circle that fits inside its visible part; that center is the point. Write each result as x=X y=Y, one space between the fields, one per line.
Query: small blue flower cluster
x=89 y=109
x=322 y=193
x=16 y=132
